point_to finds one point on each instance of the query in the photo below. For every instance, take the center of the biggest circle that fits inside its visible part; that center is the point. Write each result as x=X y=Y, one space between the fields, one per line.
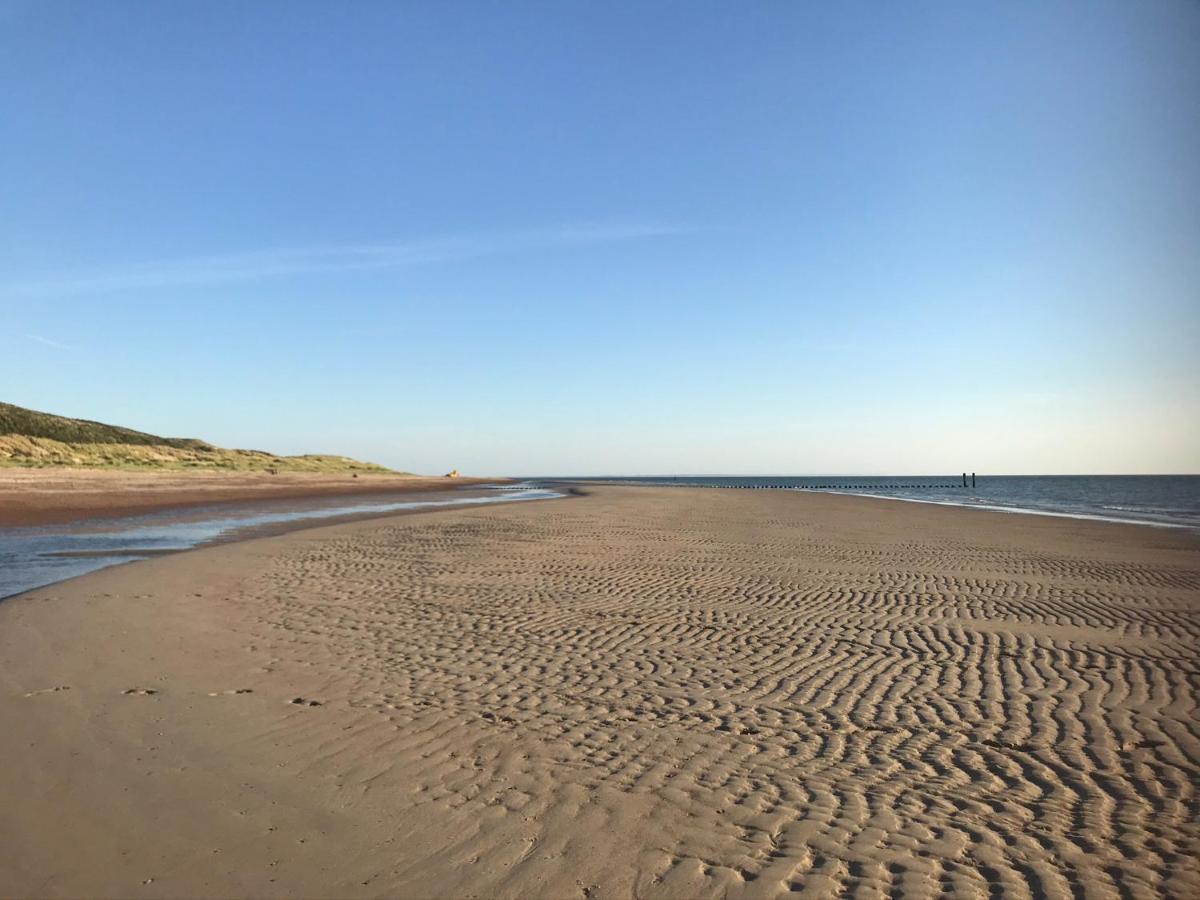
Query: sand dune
x=641 y=692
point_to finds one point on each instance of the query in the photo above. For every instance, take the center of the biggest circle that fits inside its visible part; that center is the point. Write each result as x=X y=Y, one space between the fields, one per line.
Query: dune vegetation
x=36 y=439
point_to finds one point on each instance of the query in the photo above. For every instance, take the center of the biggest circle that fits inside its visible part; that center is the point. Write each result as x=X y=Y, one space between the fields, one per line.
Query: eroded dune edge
x=640 y=692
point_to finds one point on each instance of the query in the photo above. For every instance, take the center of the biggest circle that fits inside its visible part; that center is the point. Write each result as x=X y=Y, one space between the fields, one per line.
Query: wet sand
x=639 y=692
x=45 y=496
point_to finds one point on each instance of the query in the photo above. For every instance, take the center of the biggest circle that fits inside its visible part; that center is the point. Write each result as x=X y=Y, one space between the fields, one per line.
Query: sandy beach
x=44 y=496
x=639 y=692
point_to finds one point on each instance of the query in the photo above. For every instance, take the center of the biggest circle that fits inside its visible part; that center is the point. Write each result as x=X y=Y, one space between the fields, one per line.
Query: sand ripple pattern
x=754 y=705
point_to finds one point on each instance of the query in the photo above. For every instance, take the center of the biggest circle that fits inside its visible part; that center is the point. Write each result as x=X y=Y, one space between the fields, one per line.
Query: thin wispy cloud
x=334 y=258
x=49 y=343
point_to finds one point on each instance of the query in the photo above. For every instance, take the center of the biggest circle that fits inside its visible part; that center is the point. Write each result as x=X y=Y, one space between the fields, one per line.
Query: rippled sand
x=640 y=692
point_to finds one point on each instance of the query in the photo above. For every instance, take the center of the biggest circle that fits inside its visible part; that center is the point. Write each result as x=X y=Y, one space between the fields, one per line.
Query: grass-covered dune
x=29 y=438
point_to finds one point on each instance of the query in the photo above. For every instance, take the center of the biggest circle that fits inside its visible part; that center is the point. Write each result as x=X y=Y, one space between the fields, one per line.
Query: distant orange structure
x=453 y=473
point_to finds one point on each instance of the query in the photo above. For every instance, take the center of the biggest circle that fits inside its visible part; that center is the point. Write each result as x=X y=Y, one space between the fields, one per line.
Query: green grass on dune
x=35 y=439
x=16 y=420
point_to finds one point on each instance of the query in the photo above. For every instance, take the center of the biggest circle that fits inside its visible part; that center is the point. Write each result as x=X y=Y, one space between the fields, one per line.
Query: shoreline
x=1017 y=510
x=181 y=529
x=989 y=507
x=565 y=488
x=30 y=497
x=660 y=693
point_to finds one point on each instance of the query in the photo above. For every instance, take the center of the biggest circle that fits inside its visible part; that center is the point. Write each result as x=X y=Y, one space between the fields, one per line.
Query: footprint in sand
x=300 y=701
x=49 y=690
x=145 y=692
x=233 y=691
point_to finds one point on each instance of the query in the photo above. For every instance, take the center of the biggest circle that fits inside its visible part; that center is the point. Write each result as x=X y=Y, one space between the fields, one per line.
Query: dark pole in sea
x=964 y=479
x=972 y=481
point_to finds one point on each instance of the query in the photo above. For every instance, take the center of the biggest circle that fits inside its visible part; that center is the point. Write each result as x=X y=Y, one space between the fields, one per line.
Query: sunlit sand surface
x=641 y=692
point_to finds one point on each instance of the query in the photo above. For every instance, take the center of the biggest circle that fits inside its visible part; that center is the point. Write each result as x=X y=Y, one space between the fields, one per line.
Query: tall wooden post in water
x=972 y=481
x=964 y=479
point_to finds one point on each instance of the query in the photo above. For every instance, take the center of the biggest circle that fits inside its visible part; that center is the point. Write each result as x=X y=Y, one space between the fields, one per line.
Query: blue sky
x=612 y=238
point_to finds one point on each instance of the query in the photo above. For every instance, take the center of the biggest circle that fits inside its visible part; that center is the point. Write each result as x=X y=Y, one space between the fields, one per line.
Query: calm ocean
x=1144 y=499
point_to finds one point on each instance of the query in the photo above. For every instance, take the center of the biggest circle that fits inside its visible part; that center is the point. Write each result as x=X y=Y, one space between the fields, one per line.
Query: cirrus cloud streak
x=283 y=262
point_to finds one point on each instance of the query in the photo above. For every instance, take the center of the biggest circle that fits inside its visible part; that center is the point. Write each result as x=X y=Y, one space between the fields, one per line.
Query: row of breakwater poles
x=831 y=485
x=844 y=486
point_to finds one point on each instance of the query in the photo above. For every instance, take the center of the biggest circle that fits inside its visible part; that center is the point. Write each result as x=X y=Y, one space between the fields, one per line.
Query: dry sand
x=42 y=496
x=641 y=692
